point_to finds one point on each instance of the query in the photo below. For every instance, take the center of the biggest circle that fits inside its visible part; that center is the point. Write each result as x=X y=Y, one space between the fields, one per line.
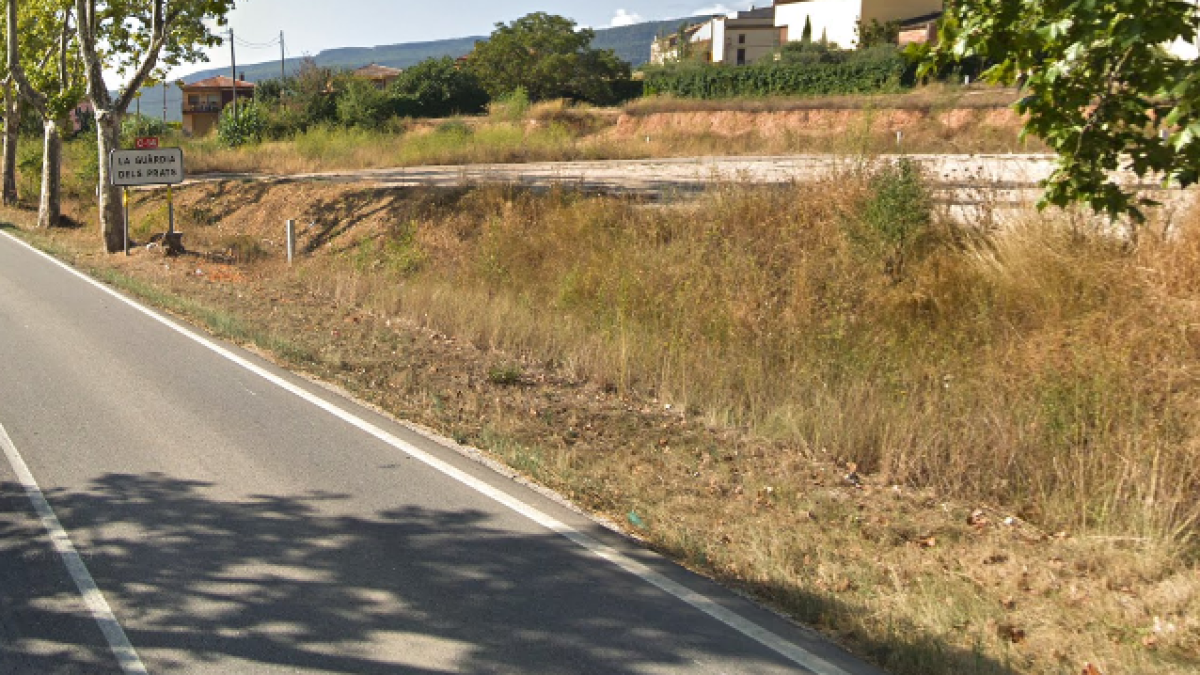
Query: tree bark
x=112 y=215
x=12 y=125
x=50 y=208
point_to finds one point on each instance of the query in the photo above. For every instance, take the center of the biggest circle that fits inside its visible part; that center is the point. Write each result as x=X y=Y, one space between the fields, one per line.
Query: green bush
x=438 y=88
x=819 y=72
x=247 y=126
x=897 y=217
x=136 y=125
x=361 y=104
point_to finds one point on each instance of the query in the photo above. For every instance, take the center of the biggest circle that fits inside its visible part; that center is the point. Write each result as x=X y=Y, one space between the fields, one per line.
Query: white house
x=836 y=21
x=738 y=38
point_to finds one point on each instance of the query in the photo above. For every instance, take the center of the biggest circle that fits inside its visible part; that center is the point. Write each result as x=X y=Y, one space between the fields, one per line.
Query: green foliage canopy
x=547 y=57
x=438 y=88
x=1099 y=88
x=141 y=40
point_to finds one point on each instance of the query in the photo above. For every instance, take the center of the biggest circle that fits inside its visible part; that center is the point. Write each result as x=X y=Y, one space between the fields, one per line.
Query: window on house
x=741 y=38
x=741 y=57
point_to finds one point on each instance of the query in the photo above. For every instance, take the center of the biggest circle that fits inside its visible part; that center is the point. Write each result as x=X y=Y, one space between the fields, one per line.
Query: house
x=738 y=38
x=745 y=37
x=837 y=21
x=667 y=47
x=203 y=102
x=381 y=76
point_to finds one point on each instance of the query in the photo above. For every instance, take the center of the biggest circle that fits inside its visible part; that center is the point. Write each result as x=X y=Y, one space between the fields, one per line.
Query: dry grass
x=930 y=120
x=982 y=461
x=932 y=97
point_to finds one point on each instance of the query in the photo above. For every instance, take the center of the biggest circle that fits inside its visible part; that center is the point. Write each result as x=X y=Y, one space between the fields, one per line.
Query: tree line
x=61 y=53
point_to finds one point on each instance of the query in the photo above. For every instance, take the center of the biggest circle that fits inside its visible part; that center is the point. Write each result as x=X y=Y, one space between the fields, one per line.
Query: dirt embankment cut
x=815 y=122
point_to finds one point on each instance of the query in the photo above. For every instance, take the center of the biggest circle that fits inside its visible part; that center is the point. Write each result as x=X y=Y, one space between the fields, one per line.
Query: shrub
x=512 y=107
x=438 y=88
x=248 y=125
x=135 y=125
x=812 y=71
x=896 y=216
x=361 y=104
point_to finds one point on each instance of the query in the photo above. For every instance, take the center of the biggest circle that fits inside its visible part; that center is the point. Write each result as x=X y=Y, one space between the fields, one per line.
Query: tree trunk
x=112 y=215
x=50 y=209
x=12 y=125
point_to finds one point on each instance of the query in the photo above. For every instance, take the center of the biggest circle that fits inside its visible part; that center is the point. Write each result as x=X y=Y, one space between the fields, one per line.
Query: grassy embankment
x=958 y=452
x=931 y=120
x=1021 y=406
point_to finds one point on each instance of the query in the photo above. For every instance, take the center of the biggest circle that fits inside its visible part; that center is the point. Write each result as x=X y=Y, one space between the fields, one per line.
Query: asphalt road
x=174 y=505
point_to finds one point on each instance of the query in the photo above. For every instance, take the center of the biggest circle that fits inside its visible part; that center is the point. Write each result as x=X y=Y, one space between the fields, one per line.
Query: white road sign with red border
x=130 y=168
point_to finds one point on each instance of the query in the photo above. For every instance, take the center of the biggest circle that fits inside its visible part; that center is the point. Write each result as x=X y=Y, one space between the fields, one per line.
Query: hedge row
x=779 y=79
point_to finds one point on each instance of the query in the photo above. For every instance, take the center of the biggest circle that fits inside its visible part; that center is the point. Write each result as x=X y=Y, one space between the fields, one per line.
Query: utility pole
x=233 y=70
x=282 y=61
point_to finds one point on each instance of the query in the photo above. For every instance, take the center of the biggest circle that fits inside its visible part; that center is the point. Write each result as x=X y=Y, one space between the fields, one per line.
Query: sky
x=310 y=26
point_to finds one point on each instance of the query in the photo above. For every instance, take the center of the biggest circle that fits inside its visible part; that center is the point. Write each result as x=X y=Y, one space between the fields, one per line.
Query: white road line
x=118 y=642
x=768 y=639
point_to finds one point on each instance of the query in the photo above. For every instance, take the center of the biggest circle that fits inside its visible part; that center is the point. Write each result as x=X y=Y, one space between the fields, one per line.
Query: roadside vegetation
x=958 y=451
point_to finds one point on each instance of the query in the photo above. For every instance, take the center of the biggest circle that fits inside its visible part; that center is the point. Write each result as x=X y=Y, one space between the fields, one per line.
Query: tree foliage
x=438 y=88
x=1097 y=84
x=546 y=56
x=139 y=40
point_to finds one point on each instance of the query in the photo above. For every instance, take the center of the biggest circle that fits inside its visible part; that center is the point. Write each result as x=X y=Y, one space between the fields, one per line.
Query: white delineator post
x=291 y=240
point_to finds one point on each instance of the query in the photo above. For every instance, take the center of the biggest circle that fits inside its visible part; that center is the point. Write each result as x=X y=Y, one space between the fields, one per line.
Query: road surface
x=170 y=504
x=663 y=176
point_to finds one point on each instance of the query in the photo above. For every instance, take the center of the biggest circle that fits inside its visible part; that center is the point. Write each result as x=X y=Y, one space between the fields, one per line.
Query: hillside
x=631 y=43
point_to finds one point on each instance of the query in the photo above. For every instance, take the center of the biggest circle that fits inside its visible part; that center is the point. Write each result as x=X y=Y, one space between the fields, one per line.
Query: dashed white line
x=118 y=642
x=699 y=601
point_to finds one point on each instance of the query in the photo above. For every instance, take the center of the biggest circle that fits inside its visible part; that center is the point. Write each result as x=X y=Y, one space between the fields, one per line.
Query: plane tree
x=547 y=57
x=139 y=40
x=1098 y=86
x=46 y=70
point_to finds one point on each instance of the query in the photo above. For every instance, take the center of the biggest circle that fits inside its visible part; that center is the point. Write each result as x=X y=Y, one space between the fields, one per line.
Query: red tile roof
x=377 y=72
x=219 y=82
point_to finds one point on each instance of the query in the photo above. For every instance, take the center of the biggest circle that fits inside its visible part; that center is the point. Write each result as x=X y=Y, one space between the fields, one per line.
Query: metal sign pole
x=170 y=211
x=125 y=200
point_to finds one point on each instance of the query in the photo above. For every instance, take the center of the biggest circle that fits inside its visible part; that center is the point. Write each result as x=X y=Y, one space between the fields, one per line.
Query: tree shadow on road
x=293 y=581
x=287 y=581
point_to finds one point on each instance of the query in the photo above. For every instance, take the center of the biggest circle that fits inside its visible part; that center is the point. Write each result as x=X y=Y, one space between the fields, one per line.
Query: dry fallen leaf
x=1089 y=669
x=1011 y=633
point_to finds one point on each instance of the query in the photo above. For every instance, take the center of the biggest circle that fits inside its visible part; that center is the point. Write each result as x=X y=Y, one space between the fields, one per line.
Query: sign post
x=149 y=165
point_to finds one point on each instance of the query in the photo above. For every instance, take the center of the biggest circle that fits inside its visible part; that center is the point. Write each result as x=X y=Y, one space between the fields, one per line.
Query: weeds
x=956 y=468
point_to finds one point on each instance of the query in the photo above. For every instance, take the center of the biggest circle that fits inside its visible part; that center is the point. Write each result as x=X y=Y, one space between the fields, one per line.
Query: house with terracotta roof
x=381 y=76
x=203 y=102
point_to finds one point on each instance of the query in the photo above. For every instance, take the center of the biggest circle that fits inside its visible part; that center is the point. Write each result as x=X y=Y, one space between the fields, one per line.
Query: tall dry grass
x=1048 y=368
x=560 y=131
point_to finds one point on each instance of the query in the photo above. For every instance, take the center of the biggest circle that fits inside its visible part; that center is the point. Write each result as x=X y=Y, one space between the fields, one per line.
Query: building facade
x=738 y=39
x=203 y=102
x=837 y=21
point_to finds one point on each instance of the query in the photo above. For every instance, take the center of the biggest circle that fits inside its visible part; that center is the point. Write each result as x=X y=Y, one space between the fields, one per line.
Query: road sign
x=146 y=167
x=146 y=143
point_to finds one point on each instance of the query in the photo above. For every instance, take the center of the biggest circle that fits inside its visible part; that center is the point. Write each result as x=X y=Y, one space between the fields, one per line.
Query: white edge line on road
x=699 y=601
x=118 y=642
